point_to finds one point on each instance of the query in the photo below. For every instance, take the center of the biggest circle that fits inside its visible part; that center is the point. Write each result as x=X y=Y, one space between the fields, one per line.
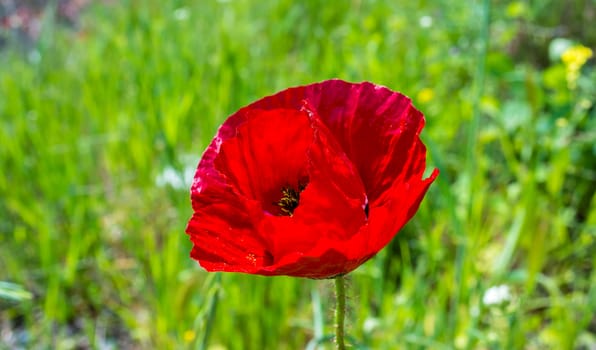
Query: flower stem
x=340 y=311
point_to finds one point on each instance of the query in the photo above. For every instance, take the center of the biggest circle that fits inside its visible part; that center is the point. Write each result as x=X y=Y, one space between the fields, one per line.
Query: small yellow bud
x=425 y=95
x=189 y=335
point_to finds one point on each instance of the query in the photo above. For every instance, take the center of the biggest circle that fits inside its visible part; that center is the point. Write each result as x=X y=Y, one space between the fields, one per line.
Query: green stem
x=340 y=311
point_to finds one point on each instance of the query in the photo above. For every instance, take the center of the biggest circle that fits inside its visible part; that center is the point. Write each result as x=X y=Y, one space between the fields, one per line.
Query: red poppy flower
x=310 y=182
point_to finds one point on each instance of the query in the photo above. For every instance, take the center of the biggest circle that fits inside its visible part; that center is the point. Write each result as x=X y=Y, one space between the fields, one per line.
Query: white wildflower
x=496 y=295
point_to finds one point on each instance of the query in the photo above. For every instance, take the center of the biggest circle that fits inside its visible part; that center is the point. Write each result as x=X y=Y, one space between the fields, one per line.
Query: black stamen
x=290 y=199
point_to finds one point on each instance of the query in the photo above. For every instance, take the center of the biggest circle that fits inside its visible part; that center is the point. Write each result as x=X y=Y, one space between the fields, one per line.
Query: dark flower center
x=290 y=198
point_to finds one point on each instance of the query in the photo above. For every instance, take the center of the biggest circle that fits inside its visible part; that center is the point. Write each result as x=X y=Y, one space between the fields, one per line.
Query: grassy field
x=102 y=123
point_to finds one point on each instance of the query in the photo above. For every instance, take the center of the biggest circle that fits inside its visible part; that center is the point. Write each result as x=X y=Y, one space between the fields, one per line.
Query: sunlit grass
x=94 y=245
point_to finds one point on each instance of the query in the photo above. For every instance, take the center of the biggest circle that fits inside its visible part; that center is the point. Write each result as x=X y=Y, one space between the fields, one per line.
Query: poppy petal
x=332 y=206
x=266 y=153
x=399 y=207
x=374 y=125
x=223 y=223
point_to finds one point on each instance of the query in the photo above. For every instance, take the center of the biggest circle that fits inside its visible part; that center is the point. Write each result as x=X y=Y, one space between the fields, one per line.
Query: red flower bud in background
x=310 y=182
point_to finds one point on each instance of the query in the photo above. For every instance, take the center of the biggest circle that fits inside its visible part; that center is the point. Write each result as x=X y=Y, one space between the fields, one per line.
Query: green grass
x=93 y=252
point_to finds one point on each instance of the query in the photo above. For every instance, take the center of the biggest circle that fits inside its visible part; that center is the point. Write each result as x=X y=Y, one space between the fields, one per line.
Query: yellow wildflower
x=425 y=95
x=189 y=336
x=574 y=58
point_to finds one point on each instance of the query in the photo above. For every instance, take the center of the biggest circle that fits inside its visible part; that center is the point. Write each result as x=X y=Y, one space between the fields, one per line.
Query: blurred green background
x=106 y=109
